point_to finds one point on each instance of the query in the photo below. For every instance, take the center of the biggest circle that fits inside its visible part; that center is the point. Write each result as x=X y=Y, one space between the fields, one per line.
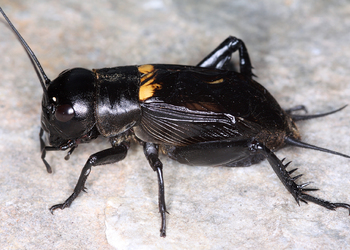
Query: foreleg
x=107 y=156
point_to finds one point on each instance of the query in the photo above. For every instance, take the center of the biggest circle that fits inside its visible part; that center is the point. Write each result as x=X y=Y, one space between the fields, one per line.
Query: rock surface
x=301 y=53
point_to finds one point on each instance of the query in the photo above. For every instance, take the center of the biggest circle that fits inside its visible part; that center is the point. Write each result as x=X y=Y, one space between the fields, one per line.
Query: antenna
x=37 y=67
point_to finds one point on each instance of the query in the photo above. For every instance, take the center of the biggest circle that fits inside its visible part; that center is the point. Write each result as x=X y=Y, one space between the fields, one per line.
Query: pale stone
x=300 y=51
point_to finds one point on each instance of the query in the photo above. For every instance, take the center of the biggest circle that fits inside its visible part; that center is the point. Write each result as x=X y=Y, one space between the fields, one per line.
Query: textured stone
x=300 y=51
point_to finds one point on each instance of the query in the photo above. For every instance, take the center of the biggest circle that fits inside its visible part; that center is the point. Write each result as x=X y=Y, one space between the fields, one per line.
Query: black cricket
x=197 y=115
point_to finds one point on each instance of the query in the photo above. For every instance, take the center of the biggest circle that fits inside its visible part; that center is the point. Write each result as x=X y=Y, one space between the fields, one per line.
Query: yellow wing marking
x=148 y=85
x=146 y=68
x=216 y=81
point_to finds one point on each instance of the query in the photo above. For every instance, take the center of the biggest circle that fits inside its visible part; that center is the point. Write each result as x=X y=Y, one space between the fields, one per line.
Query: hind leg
x=220 y=57
x=298 y=191
x=231 y=152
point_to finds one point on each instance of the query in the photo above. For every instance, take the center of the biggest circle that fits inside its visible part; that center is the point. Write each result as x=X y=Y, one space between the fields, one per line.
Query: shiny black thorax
x=117 y=106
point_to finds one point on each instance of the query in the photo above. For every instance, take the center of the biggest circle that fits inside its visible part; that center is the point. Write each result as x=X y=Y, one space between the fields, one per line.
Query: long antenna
x=37 y=67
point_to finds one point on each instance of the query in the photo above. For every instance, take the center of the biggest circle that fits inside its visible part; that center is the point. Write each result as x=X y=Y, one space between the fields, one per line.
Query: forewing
x=212 y=90
x=180 y=126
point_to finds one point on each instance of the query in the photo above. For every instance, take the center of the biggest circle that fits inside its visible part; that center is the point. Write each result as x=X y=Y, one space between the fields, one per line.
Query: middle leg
x=151 y=152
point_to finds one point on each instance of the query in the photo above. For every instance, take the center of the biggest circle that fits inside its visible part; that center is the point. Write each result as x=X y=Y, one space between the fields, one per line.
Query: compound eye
x=64 y=113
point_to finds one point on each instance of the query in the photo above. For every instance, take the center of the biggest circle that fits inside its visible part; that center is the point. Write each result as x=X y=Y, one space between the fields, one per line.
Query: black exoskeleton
x=197 y=115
